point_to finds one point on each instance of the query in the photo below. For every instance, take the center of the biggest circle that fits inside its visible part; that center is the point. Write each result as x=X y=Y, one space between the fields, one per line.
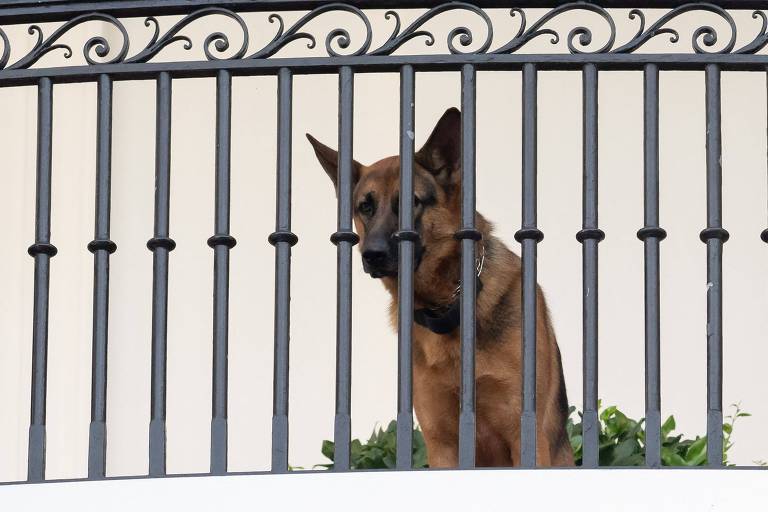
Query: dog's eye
x=396 y=204
x=367 y=207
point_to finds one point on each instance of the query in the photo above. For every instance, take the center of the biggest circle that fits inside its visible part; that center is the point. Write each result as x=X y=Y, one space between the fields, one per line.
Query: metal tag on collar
x=479 y=262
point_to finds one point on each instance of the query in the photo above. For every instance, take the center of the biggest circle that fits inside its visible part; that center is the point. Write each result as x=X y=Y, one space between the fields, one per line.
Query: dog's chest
x=436 y=352
x=441 y=356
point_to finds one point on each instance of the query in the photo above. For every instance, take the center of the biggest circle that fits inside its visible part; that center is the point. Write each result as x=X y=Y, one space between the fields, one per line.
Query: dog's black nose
x=375 y=257
x=379 y=259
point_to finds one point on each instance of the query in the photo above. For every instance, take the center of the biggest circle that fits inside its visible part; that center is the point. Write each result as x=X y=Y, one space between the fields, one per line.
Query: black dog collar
x=443 y=320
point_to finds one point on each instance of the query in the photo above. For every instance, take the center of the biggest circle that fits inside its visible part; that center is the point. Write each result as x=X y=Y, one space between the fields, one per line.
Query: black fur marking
x=367 y=207
x=429 y=198
x=505 y=313
x=502 y=317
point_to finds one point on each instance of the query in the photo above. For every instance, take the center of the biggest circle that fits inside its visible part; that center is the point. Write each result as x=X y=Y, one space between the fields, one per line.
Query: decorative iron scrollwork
x=338 y=41
x=339 y=35
x=584 y=34
x=97 y=44
x=761 y=40
x=462 y=34
x=6 y=55
x=218 y=40
x=705 y=33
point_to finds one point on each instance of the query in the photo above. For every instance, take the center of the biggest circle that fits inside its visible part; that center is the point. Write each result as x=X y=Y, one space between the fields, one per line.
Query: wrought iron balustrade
x=408 y=48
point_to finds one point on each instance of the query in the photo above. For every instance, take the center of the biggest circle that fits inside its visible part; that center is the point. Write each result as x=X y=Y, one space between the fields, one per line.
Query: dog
x=436 y=343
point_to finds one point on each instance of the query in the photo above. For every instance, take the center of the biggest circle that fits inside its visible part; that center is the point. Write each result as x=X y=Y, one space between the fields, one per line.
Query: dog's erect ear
x=441 y=155
x=329 y=159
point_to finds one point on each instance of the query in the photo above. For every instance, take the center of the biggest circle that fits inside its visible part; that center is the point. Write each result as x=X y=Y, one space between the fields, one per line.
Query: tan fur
x=436 y=358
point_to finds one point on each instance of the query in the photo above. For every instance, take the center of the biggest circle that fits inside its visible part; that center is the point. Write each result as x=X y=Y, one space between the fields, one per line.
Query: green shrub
x=380 y=450
x=622 y=440
x=622 y=443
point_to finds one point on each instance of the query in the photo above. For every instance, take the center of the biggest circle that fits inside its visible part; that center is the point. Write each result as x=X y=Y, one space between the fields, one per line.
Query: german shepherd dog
x=436 y=345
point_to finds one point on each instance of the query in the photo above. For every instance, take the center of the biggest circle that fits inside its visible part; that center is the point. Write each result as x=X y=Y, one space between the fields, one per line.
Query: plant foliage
x=380 y=450
x=621 y=438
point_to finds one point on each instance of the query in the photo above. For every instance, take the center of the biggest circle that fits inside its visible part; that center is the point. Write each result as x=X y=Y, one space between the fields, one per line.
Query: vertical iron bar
x=651 y=235
x=221 y=242
x=101 y=247
x=589 y=236
x=282 y=239
x=469 y=235
x=528 y=236
x=714 y=236
x=42 y=250
x=160 y=245
x=344 y=238
x=764 y=233
x=406 y=237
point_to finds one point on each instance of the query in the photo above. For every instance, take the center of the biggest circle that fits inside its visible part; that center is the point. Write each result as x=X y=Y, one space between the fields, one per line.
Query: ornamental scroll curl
x=461 y=34
x=218 y=40
x=44 y=45
x=339 y=41
x=705 y=33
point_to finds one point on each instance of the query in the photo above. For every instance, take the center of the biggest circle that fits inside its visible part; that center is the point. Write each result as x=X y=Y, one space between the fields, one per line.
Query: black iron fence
x=108 y=61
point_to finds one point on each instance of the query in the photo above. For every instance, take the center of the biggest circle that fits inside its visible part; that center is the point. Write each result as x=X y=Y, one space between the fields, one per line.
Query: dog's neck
x=437 y=285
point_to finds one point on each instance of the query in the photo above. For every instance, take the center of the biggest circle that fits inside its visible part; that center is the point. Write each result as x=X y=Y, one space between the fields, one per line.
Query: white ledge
x=482 y=490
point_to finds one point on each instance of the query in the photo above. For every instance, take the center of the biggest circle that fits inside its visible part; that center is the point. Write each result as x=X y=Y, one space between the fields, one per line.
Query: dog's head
x=376 y=195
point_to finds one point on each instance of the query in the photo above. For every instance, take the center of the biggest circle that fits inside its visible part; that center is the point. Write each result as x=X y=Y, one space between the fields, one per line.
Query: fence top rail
x=367 y=64
x=22 y=11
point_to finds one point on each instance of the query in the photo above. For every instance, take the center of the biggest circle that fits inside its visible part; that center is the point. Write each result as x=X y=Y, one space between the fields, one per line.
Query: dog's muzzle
x=384 y=263
x=379 y=263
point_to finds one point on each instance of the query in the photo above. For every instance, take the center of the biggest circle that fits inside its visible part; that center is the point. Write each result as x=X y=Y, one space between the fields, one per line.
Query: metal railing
x=106 y=63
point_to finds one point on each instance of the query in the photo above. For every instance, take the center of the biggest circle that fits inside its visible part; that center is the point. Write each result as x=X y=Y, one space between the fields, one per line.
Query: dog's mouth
x=379 y=273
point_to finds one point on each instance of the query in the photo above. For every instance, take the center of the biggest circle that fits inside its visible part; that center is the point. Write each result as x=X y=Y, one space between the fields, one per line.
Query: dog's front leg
x=437 y=410
x=441 y=434
x=442 y=453
x=543 y=449
x=514 y=446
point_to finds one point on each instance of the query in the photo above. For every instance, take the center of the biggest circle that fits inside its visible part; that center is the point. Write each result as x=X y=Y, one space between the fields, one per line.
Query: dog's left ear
x=329 y=159
x=441 y=154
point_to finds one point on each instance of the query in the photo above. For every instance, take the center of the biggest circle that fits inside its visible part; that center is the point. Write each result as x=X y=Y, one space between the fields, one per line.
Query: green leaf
x=696 y=454
x=674 y=441
x=624 y=450
x=636 y=428
x=671 y=458
x=576 y=443
x=607 y=413
x=636 y=459
x=327 y=449
x=668 y=427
